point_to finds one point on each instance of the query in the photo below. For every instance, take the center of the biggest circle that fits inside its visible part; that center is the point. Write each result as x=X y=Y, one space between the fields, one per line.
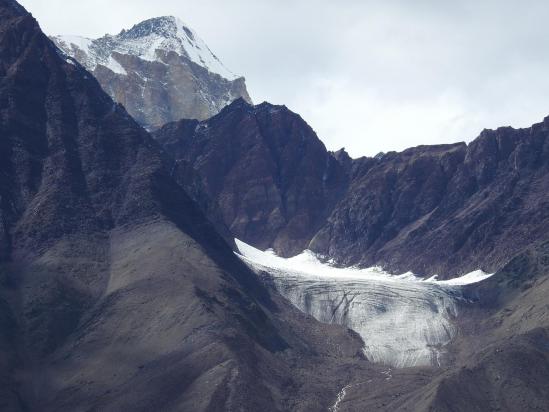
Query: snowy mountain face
x=160 y=70
x=404 y=321
x=147 y=40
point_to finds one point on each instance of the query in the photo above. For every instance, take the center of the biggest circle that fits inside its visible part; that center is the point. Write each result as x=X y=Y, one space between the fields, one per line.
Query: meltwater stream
x=403 y=320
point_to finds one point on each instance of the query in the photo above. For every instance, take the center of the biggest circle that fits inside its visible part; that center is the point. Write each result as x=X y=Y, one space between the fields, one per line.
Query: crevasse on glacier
x=403 y=320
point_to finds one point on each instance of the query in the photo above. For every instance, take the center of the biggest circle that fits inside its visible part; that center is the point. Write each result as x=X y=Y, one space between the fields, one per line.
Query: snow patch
x=310 y=265
x=78 y=42
x=468 y=279
x=115 y=67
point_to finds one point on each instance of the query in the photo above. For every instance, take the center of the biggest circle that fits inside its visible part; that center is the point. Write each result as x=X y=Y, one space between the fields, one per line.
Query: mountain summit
x=148 y=40
x=160 y=70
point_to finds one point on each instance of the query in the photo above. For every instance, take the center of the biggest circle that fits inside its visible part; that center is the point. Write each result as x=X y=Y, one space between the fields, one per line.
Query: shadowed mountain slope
x=443 y=209
x=269 y=177
x=116 y=292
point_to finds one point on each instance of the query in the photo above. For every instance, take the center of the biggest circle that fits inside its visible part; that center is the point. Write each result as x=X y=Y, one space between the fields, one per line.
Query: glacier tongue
x=404 y=320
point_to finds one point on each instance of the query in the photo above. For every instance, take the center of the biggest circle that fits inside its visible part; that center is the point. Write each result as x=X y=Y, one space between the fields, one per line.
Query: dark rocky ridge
x=443 y=209
x=264 y=169
x=115 y=292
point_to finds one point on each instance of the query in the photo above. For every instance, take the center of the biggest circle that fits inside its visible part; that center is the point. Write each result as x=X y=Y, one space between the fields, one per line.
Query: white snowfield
x=147 y=40
x=404 y=320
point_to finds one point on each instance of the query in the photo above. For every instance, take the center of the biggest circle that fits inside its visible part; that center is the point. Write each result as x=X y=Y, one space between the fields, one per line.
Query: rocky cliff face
x=265 y=170
x=115 y=291
x=444 y=210
x=160 y=70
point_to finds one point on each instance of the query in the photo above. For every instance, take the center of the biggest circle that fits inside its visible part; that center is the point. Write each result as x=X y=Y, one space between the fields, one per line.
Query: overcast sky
x=370 y=76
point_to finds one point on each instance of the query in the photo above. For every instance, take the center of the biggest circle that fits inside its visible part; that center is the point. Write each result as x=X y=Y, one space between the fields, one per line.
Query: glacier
x=404 y=320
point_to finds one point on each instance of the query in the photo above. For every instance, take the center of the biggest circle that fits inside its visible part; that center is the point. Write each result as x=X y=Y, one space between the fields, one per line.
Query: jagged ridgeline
x=442 y=210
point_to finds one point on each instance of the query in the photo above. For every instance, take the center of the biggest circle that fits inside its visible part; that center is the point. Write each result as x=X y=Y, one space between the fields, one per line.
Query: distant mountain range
x=160 y=70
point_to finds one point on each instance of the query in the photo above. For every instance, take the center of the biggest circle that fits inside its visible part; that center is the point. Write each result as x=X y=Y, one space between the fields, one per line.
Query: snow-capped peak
x=170 y=34
x=145 y=40
x=165 y=26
